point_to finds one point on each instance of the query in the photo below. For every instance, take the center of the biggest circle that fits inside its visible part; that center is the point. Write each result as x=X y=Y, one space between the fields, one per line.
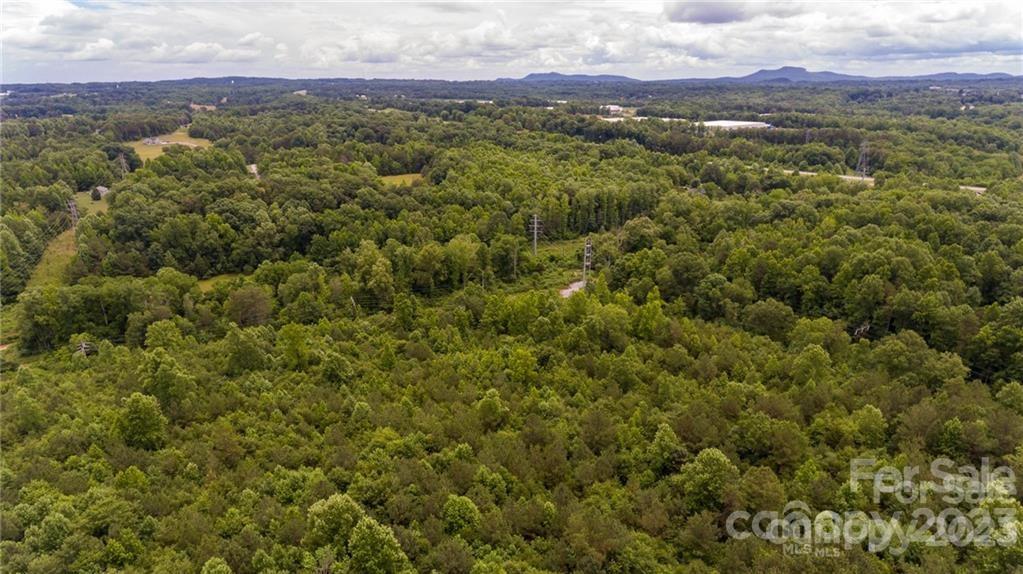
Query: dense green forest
x=273 y=355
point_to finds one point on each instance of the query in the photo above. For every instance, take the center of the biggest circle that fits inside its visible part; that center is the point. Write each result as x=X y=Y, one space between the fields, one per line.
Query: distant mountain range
x=780 y=75
x=556 y=77
x=795 y=74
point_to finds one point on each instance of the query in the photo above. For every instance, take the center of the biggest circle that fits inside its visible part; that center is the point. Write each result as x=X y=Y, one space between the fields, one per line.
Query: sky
x=62 y=41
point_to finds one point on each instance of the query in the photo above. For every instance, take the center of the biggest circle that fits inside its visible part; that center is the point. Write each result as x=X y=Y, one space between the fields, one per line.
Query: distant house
x=301 y=92
x=102 y=190
x=611 y=110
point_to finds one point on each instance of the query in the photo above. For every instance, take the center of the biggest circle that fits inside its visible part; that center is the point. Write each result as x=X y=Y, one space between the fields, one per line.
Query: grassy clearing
x=86 y=206
x=8 y=323
x=179 y=136
x=50 y=271
x=564 y=250
x=561 y=266
x=61 y=249
x=401 y=179
x=52 y=267
x=211 y=283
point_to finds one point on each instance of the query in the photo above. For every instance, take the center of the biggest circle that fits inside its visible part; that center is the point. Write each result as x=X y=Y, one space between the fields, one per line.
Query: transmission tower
x=863 y=165
x=73 y=209
x=535 y=226
x=124 y=165
x=587 y=258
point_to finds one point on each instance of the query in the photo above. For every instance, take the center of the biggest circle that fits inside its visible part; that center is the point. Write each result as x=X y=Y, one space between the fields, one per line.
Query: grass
x=8 y=323
x=179 y=136
x=86 y=206
x=209 y=284
x=54 y=262
x=61 y=249
x=51 y=270
x=564 y=250
x=561 y=267
x=401 y=179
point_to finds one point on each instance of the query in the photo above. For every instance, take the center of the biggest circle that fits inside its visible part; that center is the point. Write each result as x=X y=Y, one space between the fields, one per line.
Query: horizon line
x=853 y=77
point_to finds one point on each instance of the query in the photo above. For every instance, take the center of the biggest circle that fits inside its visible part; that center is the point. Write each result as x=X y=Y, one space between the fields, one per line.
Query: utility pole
x=534 y=225
x=124 y=165
x=73 y=208
x=587 y=258
x=863 y=165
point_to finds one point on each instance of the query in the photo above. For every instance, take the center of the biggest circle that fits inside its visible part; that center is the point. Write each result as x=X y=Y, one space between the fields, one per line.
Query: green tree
x=249 y=306
x=705 y=480
x=461 y=516
x=374 y=550
x=216 y=565
x=244 y=351
x=331 y=522
x=140 y=422
x=770 y=317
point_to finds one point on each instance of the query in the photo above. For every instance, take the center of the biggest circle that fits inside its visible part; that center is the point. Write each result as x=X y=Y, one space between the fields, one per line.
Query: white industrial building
x=735 y=125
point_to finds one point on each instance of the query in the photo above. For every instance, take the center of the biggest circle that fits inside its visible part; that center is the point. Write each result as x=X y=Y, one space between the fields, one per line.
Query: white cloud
x=98 y=50
x=124 y=40
x=255 y=39
x=724 y=12
x=198 y=53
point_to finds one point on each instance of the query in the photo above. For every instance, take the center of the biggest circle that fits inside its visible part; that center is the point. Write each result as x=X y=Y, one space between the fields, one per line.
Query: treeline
x=126 y=127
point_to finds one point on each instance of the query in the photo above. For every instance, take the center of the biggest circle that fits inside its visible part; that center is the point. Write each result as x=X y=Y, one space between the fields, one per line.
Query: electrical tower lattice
x=73 y=209
x=535 y=227
x=863 y=165
x=587 y=258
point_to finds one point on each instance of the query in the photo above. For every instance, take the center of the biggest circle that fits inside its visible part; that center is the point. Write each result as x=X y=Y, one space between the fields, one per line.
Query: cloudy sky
x=61 y=41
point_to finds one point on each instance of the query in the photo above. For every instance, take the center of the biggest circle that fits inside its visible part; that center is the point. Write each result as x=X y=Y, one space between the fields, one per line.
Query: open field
x=86 y=205
x=401 y=179
x=54 y=262
x=179 y=136
x=210 y=283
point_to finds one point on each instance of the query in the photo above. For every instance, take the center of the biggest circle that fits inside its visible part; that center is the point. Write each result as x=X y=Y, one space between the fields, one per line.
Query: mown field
x=179 y=136
x=401 y=179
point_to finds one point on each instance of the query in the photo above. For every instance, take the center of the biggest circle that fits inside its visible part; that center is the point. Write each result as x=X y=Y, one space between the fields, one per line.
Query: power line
x=535 y=226
x=86 y=348
x=53 y=229
x=72 y=206
x=587 y=257
x=863 y=165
